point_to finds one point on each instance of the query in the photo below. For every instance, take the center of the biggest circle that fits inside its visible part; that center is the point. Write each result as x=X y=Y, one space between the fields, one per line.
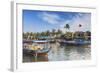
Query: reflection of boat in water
x=44 y=51
x=75 y=42
x=38 y=47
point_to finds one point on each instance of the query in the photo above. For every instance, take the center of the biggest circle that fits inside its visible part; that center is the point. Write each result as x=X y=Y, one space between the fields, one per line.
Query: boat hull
x=75 y=42
x=36 y=52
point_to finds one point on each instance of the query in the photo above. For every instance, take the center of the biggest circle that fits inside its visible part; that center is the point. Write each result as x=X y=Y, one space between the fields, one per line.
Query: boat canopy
x=40 y=41
x=44 y=37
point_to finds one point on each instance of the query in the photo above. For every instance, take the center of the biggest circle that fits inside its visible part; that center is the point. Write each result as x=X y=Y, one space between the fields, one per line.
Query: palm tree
x=42 y=33
x=47 y=33
x=59 y=31
x=37 y=34
x=24 y=36
x=53 y=32
x=67 y=26
x=80 y=25
x=27 y=35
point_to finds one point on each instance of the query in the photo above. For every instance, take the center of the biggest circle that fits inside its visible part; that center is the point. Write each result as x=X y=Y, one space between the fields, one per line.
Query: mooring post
x=35 y=56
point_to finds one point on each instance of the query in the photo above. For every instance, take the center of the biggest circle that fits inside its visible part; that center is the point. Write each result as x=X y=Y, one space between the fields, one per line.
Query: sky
x=40 y=21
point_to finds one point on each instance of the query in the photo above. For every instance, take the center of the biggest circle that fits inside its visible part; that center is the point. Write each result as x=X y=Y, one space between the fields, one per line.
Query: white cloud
x=50 y=18
x=83 y=19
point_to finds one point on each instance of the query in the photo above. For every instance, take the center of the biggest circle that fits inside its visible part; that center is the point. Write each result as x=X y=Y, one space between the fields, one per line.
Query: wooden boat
x=28 y=41
x=37 y=48
x=42 y=52
x=81 y=42
x=75 y=42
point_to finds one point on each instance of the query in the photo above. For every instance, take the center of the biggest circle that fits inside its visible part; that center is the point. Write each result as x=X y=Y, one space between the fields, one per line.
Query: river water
x=62 y=53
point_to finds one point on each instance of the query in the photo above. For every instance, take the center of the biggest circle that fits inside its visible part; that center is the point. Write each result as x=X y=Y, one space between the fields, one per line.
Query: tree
x=31 y=33
x=88 y=33
x=80 y=25
x=42 y=33
x=47 y=33
x=24 y=36
x=67 y=26
x=53 y=32
x=27 y=35
x=59 y=32
x=37 y=34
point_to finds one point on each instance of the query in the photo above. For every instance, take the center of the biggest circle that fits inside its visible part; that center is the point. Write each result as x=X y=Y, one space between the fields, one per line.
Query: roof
x=44 y=37
x=39 y=41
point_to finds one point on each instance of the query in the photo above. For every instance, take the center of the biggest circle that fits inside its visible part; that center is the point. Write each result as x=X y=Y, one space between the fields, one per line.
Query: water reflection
x=62 y=53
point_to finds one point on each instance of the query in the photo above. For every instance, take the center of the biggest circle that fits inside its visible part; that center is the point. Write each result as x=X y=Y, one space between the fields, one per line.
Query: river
x=62 y=53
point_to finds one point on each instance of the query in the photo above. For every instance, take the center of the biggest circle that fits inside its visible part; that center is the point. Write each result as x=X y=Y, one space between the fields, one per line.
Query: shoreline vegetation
x=57 y=34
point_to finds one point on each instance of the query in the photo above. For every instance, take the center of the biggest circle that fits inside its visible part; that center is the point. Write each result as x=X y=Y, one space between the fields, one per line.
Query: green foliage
x=67 y=26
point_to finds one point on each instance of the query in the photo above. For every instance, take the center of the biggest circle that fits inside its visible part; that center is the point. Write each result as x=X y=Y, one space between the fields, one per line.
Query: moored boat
x=75 y=42
x=39 y=47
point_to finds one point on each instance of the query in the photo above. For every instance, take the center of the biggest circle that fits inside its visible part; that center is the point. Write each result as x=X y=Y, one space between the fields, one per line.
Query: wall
x=5 y=35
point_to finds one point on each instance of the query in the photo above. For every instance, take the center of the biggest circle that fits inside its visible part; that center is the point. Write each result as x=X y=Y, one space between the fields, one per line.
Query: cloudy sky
x=39 y=21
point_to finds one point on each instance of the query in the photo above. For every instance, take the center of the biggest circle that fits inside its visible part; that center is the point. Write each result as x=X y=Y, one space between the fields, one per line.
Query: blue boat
x=35 y=48
x=75 y=42
x=81 y=42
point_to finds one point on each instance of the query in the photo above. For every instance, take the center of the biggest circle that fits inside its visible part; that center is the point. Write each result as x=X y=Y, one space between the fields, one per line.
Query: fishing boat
x=75 y=42
x=79 y=38
x=81 y=42
x=38 y=47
